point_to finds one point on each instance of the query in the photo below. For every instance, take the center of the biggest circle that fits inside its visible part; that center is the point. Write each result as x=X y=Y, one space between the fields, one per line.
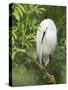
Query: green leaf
x=13 y=55
x=16 y=14
x=15 y=51
x=21 y=7
x=13 y=41
x=42 y=9
x=20 y=11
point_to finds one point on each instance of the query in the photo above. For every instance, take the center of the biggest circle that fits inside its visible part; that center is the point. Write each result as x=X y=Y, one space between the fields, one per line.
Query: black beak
x=43 y=37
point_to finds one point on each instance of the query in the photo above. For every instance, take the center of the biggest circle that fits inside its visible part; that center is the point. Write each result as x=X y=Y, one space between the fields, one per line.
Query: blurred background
x=24 y=20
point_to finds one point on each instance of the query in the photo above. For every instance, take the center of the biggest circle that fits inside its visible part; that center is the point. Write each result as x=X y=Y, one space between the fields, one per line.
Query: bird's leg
x=51 y=77
x=44 y=70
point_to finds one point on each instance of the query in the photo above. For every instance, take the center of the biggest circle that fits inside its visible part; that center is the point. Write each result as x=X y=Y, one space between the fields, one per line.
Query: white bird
x=46 y=40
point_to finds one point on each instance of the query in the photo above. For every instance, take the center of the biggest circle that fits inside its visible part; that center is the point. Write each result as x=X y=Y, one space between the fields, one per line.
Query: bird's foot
x=52 y=79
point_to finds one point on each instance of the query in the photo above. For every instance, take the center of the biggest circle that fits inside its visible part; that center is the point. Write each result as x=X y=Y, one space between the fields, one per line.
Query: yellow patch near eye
x=45 y=29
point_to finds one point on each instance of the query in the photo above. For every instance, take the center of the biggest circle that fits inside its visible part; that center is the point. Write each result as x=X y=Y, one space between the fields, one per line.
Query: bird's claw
x=52 y=79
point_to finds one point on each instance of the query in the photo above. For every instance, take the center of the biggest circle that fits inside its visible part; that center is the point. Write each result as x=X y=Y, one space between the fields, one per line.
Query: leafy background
x=23 y=22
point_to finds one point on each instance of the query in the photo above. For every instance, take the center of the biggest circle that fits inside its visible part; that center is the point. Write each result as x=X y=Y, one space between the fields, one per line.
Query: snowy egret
x=46 y=40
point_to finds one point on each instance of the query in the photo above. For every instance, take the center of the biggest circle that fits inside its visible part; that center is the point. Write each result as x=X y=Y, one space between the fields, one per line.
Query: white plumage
x=47 y=46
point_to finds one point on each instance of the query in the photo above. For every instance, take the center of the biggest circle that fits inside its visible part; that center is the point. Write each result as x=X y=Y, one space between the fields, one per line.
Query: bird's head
x=41 y=29
x=44 y=30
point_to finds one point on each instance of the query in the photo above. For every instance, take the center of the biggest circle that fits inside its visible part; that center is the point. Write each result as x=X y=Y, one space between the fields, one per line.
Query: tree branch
x=42 y=68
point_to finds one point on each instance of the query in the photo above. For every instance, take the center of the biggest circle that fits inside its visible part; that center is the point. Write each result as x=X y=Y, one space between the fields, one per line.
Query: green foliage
x=23 y=27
